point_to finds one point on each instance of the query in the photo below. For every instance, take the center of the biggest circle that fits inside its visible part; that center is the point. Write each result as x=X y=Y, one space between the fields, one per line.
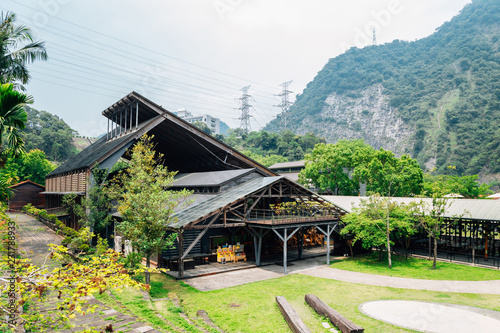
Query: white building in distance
x=212 y=122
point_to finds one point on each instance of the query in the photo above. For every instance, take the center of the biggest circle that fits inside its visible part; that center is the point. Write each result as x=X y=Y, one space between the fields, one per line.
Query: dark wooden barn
x=24 y=193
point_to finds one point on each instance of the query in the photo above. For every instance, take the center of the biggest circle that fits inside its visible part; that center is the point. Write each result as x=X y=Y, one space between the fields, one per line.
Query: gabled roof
x=27 y=182
x=185 y=148
x=208 y=207
x=94 y=153
x=211 y=178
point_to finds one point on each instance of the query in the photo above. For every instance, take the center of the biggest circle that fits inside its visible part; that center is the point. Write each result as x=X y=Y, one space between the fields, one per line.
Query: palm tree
x=12 y=118
x=14 y=55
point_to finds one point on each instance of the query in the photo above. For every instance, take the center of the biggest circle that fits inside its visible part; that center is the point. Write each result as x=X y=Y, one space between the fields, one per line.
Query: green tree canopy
x=49 y=133
x=144 y=203
x=379 y=222
x=32 y=166
x=12 y=119
x=340 y=169
x=17 y=49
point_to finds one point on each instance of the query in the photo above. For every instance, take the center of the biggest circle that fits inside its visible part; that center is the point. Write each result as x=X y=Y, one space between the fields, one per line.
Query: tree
x=378 y=222
x=388 y=175
x=93 y=211
x=329 y=166
x=33 y=166
x=17 y=49
x=202 y=127
x=430 y=217
x=467 y=185
x=146 y=206
x=12 y=118
x=49 y=133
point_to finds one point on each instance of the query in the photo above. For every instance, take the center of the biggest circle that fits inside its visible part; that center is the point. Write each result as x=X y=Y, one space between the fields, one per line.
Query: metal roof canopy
x=471 y=209
x=211 y=178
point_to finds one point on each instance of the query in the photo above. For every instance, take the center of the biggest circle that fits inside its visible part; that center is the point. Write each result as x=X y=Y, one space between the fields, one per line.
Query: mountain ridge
x=443 y=90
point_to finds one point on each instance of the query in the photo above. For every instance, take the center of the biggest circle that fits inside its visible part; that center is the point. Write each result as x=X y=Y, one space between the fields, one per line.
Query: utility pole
x=285 y=104
x=245 y=110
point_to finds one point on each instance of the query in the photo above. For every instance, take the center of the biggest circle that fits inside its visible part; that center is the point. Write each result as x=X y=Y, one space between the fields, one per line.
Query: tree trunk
x=435 y=253
x=387 y=232
x=148 y=264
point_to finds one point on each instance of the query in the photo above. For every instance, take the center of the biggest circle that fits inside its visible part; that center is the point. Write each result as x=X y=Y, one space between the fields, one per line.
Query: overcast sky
x=198 y=54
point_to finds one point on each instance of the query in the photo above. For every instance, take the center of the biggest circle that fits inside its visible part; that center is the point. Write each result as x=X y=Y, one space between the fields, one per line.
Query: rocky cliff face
x=365 y=115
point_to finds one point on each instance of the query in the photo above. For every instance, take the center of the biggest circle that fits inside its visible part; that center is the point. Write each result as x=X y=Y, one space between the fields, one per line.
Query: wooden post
x=181 y=250
x=107 y=133
x=328 y=245
x=285 y=241
x=126 y=113
x=131 y=116
x=344 y=324
x=121 y=119
x=136 y=115
x=291 y=316
x=300 y=244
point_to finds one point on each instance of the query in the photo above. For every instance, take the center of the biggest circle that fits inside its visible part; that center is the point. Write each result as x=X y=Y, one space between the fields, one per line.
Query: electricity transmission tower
x=374 y=37
x=245 y=110
x=285 y=104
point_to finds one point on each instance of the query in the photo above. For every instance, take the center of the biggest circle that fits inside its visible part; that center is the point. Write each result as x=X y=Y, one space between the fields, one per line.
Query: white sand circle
x=433 y=317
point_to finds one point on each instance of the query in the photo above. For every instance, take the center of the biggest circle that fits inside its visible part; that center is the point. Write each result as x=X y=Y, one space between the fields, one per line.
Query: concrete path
x=433 y=317
x=474 y=287
x=316 y=267
x=244 y=276
x=34 y=237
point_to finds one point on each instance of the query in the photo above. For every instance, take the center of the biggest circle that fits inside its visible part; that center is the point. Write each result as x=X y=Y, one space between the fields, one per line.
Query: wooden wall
x=70 y=182
x=27 y=193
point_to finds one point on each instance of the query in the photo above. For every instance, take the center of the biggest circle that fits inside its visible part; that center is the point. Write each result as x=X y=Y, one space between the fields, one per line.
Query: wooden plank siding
x=25 y=193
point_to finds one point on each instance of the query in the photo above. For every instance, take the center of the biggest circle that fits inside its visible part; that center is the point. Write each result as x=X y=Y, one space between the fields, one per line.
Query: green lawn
x=252 y=307
x=415 y=268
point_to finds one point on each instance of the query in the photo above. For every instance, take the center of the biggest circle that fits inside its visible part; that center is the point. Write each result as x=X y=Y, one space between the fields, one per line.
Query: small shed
x=26 y=192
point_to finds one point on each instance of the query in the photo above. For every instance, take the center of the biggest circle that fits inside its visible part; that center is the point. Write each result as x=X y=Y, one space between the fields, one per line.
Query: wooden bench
x=344 y=324
x=291 y=316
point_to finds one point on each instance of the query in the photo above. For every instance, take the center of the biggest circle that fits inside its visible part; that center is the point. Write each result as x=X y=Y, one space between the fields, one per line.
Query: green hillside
x=445 y=88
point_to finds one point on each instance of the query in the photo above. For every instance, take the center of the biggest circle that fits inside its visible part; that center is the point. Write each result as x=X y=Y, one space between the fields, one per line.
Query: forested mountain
x=437 y=98
x=50 y=134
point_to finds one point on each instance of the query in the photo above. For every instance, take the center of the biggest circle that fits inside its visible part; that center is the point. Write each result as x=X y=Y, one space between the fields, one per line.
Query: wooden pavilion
x=232 y=193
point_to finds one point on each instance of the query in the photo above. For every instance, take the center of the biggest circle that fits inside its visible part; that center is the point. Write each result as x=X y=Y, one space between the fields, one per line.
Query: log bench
x=291 y=316
x=344 y=324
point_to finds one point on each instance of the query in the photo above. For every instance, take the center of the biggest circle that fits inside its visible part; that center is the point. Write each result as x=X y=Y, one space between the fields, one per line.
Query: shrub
x=102 y=245
x=84 y=247
x=66 y=240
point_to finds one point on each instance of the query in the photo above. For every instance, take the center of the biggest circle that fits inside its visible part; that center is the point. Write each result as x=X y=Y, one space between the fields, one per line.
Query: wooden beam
x=291 y=316
x=196 y=240
x=255 y=203
x=344 y=324
x=214 y=226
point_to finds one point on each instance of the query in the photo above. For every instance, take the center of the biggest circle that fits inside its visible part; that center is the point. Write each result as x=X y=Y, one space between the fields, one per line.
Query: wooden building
x=24 y=193
x=233 y=195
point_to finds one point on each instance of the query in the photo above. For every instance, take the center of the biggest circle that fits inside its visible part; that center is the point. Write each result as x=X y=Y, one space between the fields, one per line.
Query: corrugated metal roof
x=87 y=157
x=293 y=176
x=474 y=209
x=197 y=211
x=284 y=165
x=211 y=178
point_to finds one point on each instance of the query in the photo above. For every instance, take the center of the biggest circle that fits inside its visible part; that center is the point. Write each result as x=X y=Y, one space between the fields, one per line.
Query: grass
x=415 y=268
x=135 y=305
x=252 y=307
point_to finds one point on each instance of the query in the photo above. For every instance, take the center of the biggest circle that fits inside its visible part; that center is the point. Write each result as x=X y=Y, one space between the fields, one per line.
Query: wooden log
x=344 y=324
x=291 y=316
